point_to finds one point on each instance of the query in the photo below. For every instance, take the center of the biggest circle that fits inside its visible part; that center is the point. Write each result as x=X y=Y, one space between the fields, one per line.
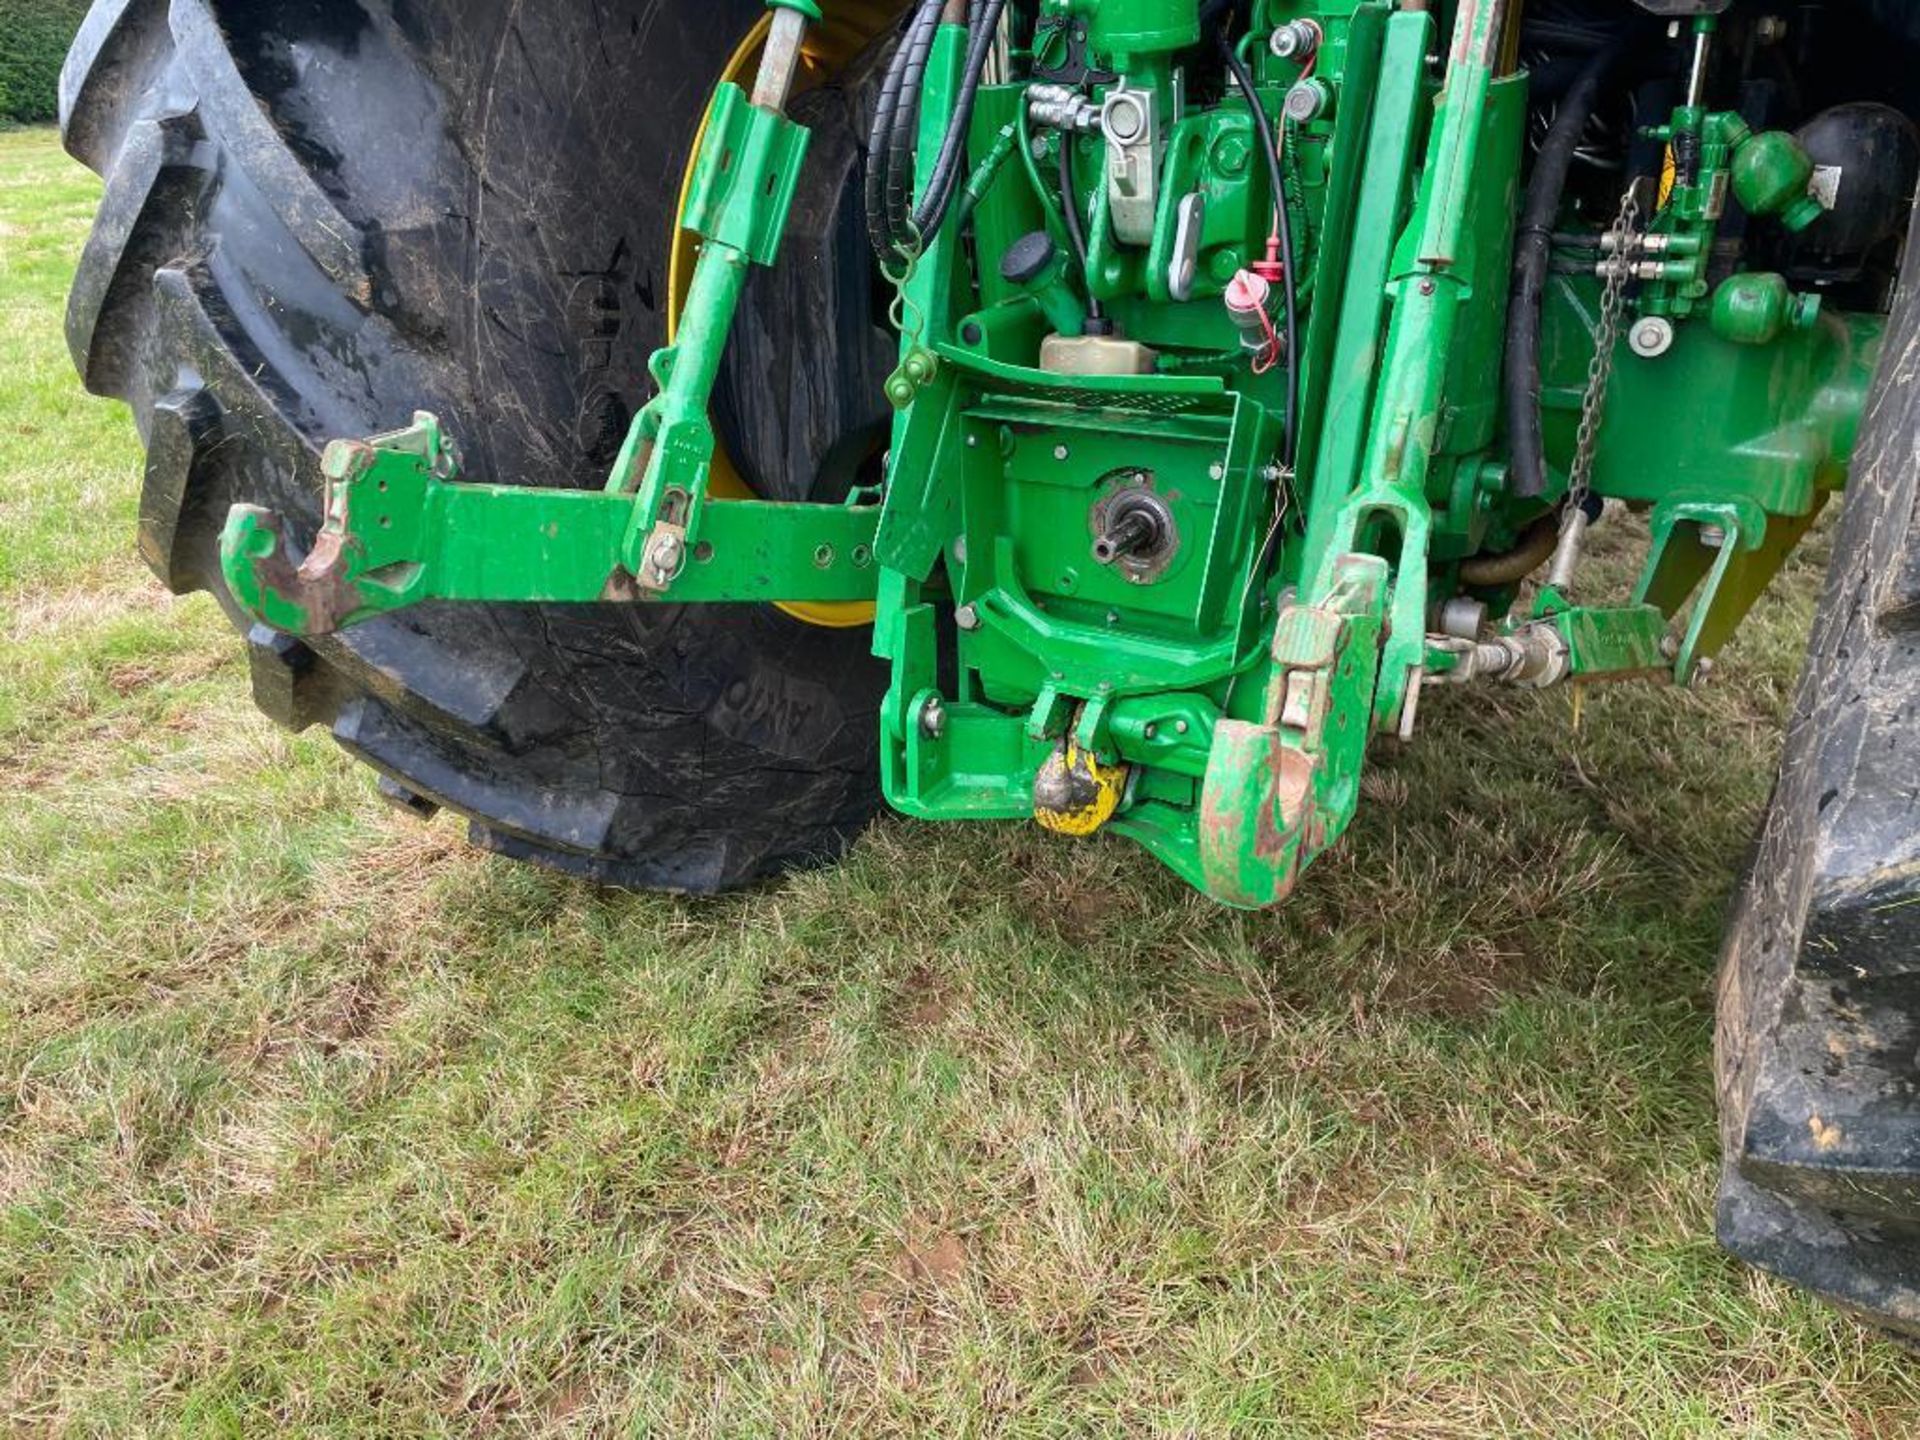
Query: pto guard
x=1280 y=791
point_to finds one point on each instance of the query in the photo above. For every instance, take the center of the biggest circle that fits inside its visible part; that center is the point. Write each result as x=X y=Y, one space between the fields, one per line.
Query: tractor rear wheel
x=322 y=215
x=1819 y=1004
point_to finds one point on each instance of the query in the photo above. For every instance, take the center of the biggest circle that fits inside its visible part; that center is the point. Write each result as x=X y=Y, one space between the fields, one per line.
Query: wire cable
x=1283 y=227
x=1076 y=231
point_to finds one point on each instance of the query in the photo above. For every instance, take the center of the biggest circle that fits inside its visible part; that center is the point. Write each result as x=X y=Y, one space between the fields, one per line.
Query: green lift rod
x=1349 y=652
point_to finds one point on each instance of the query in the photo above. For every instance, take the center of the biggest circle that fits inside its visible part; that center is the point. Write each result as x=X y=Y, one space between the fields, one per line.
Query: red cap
x=1270 y=269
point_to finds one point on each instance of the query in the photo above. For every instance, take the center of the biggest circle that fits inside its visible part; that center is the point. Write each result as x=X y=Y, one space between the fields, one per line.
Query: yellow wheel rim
x=829 y=47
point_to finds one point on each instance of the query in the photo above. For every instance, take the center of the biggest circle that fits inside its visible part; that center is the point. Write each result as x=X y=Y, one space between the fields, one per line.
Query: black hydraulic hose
x=894 y=223
x=948 y=163
x=1532 y=261
x=1076 y=232
x=1214 y=12
x=895 y=116
x=1284 y=225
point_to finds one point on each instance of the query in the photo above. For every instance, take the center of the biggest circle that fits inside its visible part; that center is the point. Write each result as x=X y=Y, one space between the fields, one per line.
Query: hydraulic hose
x=1532 y=261
x=1509 y=567
x=895 y=115
x=895 y=226
x=951 y=158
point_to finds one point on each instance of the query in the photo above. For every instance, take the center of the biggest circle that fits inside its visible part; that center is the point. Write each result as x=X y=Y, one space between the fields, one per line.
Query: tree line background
x=34 y=35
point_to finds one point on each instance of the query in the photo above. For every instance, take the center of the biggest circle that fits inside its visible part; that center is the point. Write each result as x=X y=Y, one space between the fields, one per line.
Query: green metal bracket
x=923 y=493
x=1729 y=551
x=744 y=181
x=1560 y=643
x=1614 y=643
x=1726 y=551
x=1279 y=791
x=1390 y=510
x=400 y=530
x=1348 y=322
x=1349 y=653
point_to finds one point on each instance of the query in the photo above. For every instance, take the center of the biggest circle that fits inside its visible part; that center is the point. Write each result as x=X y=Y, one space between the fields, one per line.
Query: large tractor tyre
x=323 y=215
x=1819 y=1003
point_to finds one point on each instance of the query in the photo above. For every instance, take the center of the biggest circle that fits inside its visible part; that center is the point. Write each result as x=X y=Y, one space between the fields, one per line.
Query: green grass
x=311 y=1117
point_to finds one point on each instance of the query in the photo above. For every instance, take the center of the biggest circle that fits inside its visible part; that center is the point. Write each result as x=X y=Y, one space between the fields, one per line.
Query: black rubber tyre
x=322 y=215
x=1819 y=1004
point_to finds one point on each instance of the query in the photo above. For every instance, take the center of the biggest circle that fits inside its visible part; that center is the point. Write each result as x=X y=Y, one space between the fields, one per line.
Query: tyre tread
x=212 y=225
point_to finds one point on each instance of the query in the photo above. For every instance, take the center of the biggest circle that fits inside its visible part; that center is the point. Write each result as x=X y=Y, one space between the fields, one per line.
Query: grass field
x=311 y=1117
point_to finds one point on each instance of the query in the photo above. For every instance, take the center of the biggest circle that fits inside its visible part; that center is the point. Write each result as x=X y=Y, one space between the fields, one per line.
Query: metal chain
x=1613 y=300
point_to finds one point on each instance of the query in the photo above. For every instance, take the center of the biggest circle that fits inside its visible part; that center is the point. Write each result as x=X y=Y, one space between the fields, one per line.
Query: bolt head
x=933 y=719
x=1060 y=452
x=967 y=618
x=1651 y=337
x=665 y=554
x=1231 y=153
x=1295 y=40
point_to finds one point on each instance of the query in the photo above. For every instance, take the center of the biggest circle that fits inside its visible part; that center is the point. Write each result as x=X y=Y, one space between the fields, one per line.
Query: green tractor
x=661 y=433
